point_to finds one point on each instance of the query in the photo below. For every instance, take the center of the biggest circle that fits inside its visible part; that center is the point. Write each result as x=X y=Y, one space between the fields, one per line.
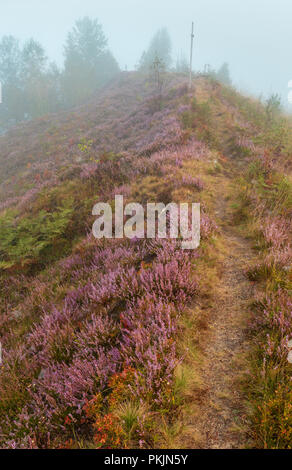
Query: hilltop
x=104 y=339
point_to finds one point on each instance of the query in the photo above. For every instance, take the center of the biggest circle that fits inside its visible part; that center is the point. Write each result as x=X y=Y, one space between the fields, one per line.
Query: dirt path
x=217 y=417
x=220 y=419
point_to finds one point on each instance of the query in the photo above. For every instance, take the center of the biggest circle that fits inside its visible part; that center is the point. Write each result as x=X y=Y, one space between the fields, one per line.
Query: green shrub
x=24 y=241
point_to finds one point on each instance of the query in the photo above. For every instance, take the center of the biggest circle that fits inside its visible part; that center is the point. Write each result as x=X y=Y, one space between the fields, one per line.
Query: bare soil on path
x=220 y=420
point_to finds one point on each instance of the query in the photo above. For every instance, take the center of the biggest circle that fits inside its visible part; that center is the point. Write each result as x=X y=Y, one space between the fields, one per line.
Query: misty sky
x=254 y=36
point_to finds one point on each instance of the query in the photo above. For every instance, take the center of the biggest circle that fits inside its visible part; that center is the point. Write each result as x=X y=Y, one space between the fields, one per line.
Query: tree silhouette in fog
x=160 y=47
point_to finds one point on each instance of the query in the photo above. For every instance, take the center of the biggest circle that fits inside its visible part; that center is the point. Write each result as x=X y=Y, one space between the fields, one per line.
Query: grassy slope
x=52 y=173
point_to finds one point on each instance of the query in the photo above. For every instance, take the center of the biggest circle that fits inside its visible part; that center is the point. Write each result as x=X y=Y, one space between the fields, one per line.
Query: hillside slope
x=104 y=339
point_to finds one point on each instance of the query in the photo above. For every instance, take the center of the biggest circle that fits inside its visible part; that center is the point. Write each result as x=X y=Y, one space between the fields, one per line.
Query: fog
x=253 y=36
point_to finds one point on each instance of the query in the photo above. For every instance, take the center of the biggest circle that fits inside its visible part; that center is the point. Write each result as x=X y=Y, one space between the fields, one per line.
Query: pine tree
x=160 y=47
x=88 y=63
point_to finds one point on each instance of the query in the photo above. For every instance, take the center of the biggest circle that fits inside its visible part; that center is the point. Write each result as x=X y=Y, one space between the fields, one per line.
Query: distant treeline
x=32 y=86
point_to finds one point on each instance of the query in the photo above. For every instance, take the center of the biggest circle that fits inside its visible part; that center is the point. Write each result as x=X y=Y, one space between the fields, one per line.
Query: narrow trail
x=220 y=420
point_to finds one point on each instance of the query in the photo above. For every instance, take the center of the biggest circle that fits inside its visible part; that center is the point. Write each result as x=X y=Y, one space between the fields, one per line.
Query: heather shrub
x=100 y=325
x=191 y=181
x=63 y=389
x=274 y=241
x=276 y=320
x=276 y=231
x=99 y=330
x=52 y=339
x=147 y=346
x=59 y=345
x=208 y=226
x=170 y=282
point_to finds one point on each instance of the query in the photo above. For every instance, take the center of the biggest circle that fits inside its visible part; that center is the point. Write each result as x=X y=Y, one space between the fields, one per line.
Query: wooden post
x=191 y=56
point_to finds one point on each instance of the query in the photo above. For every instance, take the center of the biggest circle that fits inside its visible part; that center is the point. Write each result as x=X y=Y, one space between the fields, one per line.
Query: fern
x=23 y=240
